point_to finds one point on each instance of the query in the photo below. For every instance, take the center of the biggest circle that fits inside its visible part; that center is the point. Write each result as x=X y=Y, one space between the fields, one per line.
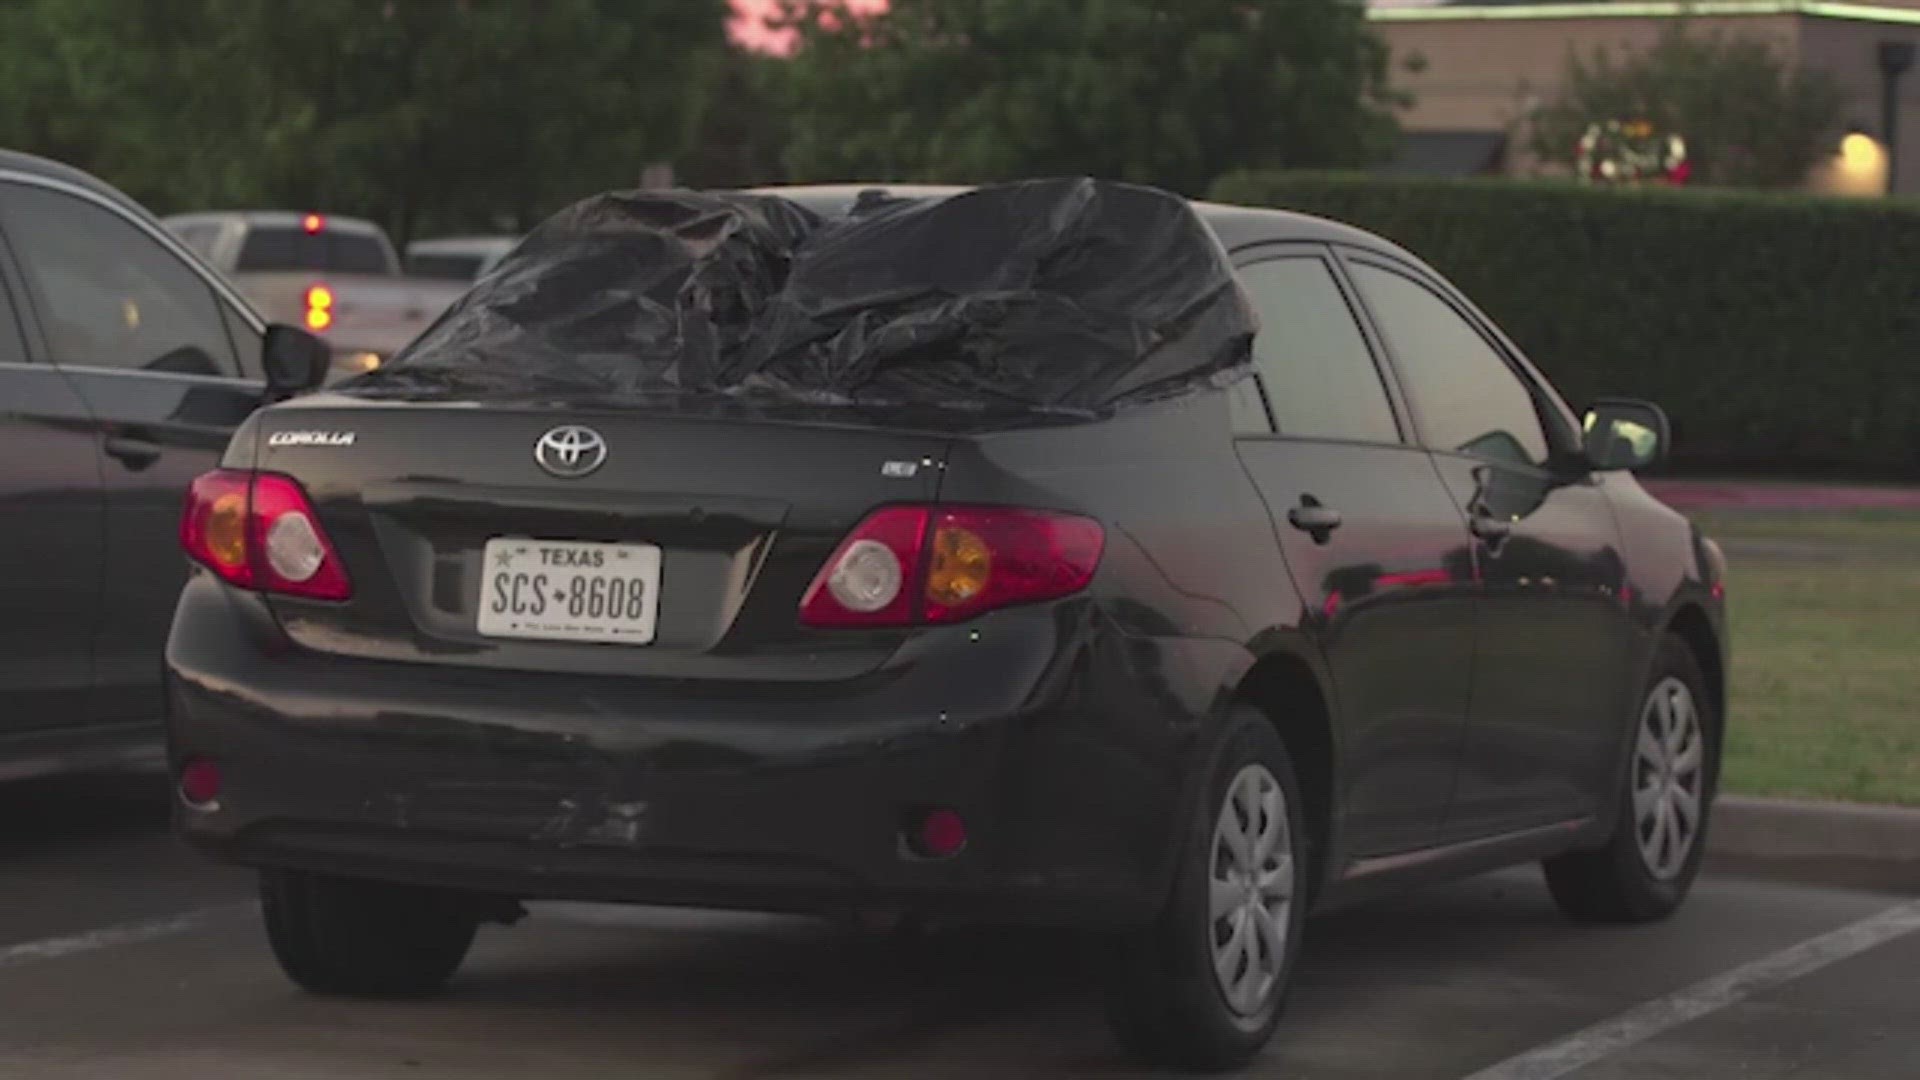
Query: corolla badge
x=311 y=438
x=570 y=451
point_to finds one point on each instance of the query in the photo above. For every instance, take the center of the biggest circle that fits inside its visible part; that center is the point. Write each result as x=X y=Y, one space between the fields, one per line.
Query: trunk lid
x=743 y=512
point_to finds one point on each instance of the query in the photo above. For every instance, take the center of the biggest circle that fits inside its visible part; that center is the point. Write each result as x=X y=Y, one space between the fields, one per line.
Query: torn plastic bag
x=1048 y=296
x=621 y=294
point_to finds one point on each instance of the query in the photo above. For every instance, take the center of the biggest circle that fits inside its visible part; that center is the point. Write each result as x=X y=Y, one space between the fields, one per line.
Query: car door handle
x=1490 y=528
x=135 y=454
x=1314 y=520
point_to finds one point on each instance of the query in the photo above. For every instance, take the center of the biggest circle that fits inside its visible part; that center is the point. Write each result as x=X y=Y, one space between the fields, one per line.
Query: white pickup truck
x=336 y=276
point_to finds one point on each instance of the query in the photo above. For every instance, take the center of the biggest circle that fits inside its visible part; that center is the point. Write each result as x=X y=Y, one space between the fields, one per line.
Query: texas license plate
x=570 y=590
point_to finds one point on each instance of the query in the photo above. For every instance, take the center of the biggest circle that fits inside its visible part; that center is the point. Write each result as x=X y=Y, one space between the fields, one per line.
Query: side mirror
x=1621 y=433
x=295 y=361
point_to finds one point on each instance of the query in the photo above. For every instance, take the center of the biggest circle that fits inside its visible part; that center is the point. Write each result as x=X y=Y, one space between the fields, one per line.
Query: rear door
x=1372 y=540
x=156 y=352
x=50 y=530
x=1551 y=675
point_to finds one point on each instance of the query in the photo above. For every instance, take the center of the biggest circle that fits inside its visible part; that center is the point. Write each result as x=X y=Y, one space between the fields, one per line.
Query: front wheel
x=1202 y=987
x=1648 y=867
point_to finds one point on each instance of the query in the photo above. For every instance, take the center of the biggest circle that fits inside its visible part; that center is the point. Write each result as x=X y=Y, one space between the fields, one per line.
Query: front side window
x=108 y=295
x=13 y=347
x=1466 y=398
x=1320 y=378
x=246 y=340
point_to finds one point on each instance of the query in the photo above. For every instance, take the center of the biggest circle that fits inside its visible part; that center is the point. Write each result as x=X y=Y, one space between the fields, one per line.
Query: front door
x=1550 y=672
x=50 y=534
x=1376 y=548
x=156 y=354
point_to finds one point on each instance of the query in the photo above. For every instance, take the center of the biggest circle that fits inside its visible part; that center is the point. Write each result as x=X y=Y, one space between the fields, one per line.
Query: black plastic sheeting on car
x=1046 y=296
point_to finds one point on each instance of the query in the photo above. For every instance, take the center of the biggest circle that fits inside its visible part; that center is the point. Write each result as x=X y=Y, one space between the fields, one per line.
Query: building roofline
x=1641 y=9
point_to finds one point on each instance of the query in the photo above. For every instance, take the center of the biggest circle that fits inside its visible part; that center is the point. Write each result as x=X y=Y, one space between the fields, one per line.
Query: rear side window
x=1466 y=397
x=1248 y=410
x=270 y=249
x=108 y=294
x=1320 y=378
x=445 y=267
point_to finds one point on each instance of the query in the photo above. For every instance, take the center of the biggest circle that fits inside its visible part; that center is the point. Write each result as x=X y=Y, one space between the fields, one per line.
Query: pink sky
x=749 y=29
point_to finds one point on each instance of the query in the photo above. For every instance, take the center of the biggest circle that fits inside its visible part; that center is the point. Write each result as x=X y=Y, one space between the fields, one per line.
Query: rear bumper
x=775 y=797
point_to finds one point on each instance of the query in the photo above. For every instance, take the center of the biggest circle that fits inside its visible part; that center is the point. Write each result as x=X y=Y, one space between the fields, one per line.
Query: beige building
x=1477 y=72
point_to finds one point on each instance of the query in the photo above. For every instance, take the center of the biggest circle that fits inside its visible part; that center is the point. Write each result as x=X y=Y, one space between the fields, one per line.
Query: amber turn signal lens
x=226 y=529
x=960 y=566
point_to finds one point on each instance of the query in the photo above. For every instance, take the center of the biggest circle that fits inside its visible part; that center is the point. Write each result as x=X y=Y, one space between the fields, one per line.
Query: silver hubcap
x=1250 y=899
x=1667 y=773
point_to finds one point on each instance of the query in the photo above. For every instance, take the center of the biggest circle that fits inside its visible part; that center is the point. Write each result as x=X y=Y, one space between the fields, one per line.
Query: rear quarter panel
x=1191 y=583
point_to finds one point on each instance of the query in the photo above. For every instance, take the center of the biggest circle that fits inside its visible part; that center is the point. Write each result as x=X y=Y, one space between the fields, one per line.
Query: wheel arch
x=1692 y=625
x=1290 y=692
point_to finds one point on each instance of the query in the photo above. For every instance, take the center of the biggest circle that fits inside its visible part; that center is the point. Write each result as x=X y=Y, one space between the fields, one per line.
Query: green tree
x=1749 y=120
x=1143 y=90
x=743 y=130
x=420 y=113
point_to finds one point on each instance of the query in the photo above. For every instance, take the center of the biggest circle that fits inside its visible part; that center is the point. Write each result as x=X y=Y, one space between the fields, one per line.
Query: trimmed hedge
x=1779 y=331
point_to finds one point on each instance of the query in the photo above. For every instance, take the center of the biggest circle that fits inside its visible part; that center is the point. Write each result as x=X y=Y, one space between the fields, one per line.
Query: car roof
x=277 y=219
x=34 y=165
x=1236 y=226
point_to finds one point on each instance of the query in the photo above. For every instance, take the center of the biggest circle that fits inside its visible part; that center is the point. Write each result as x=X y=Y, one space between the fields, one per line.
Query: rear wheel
x=1648 y=867
x=1202 y=987
x=336 y=935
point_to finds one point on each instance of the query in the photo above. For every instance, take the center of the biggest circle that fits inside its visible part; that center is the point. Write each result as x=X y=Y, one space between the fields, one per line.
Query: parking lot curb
x=1756 y=828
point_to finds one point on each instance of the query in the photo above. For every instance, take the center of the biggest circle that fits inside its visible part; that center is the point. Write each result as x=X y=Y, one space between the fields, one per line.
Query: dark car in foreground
x=1385 y=612
x=125 y=366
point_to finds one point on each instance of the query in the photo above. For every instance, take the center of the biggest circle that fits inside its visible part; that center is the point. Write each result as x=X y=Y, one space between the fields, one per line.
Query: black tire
x=1164 y=1004
x=1615 y=884
x=345 y=936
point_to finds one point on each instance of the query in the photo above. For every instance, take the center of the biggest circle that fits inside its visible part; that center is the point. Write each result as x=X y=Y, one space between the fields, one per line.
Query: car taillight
x=259 y=531
x=907 y=565
x=319 y=300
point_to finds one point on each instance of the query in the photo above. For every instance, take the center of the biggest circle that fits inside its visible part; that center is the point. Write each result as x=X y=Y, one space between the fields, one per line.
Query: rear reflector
x=259 y=531
x=200 y=783
x=942 y=835
x=907 y=565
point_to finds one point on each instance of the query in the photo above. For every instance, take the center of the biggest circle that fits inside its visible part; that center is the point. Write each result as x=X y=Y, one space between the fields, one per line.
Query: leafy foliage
x=449 y=113
x=1749 y=120
x=1778 y=330
x=1143 y=90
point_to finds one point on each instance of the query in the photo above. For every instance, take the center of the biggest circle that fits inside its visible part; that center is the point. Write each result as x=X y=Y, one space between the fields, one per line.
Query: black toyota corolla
x=962 y=554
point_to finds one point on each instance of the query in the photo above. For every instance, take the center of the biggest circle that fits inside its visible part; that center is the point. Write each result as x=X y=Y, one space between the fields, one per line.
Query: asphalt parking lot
x=121 y=955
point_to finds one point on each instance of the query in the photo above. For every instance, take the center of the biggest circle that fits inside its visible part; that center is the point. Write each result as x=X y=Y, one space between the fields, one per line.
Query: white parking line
x=109 y=937
x=1643 y=1022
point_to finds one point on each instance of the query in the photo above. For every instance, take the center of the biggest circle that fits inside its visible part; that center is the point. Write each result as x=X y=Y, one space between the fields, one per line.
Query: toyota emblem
x=570 y=451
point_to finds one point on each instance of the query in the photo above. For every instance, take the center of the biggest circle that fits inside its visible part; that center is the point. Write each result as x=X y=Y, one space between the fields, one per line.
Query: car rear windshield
x=269 y=249
x=1044 y=298
x=448 y=267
